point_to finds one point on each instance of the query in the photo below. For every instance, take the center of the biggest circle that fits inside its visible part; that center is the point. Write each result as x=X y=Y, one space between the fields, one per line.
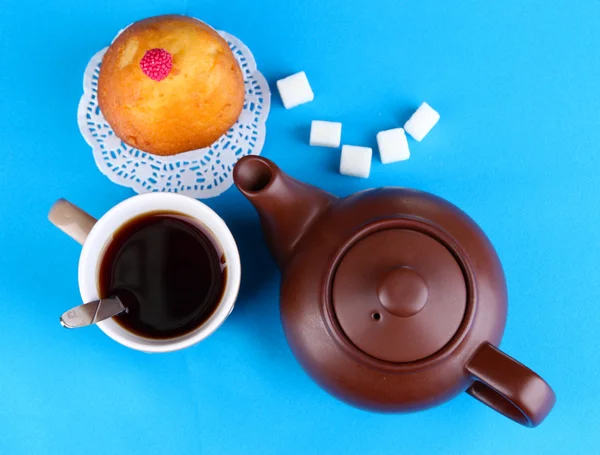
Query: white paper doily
x=201 y=173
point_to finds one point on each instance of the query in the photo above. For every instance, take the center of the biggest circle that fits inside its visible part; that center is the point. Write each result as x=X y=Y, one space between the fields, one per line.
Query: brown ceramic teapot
x=391 y=299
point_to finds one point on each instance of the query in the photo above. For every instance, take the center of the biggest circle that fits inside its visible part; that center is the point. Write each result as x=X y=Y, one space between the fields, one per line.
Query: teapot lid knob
x=403 y=292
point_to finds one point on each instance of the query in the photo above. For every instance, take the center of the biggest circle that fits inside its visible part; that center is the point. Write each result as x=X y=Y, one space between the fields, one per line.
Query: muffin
x=170 y=84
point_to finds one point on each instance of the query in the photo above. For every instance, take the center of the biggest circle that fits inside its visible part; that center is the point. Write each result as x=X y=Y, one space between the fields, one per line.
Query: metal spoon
x=92 y=312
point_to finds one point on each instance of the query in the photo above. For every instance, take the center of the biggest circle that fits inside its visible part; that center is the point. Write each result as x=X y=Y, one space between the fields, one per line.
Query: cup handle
x=71 y=220
x=509 y=387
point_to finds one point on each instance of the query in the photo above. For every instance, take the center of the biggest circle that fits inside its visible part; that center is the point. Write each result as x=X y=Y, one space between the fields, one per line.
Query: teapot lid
x=399 y=295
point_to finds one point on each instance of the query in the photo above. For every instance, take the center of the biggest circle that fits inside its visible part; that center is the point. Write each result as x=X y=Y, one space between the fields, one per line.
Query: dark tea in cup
x=168 y=269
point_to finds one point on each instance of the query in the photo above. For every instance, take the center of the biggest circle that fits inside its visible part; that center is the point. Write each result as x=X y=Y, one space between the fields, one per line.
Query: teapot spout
x=286 y=207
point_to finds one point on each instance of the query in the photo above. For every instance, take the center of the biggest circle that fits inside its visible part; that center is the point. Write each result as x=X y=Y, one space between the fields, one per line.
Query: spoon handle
x=92 y=313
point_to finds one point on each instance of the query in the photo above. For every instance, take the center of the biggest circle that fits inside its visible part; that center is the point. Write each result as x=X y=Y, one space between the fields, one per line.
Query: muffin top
x=170 y=84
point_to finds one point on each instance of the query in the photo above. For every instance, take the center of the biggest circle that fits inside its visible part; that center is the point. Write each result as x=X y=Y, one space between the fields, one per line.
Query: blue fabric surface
x=517 y=84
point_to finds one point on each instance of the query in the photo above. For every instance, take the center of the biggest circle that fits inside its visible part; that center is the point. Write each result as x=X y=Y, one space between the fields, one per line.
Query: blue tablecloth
x=517 y=84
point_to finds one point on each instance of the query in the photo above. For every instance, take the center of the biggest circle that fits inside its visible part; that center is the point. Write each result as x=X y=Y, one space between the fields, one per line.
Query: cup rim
x=102 y=233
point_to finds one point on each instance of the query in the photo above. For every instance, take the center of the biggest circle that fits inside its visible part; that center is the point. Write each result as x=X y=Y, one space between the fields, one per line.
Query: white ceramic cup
x=97 y=235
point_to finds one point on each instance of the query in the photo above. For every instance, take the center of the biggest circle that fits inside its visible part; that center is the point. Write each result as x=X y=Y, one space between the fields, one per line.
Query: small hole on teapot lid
x=375 y=316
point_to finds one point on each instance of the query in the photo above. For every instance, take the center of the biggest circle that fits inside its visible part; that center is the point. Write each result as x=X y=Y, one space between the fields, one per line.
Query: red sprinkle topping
x=156 y=64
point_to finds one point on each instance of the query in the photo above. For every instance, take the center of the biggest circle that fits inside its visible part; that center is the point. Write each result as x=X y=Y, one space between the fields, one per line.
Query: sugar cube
x=356 y=161
x=421 y=122
x=325 y=134
x=393 y=146
x=295 y=90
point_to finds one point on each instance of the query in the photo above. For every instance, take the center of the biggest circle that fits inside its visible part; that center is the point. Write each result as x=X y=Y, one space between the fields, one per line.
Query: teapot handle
x=509 y=387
